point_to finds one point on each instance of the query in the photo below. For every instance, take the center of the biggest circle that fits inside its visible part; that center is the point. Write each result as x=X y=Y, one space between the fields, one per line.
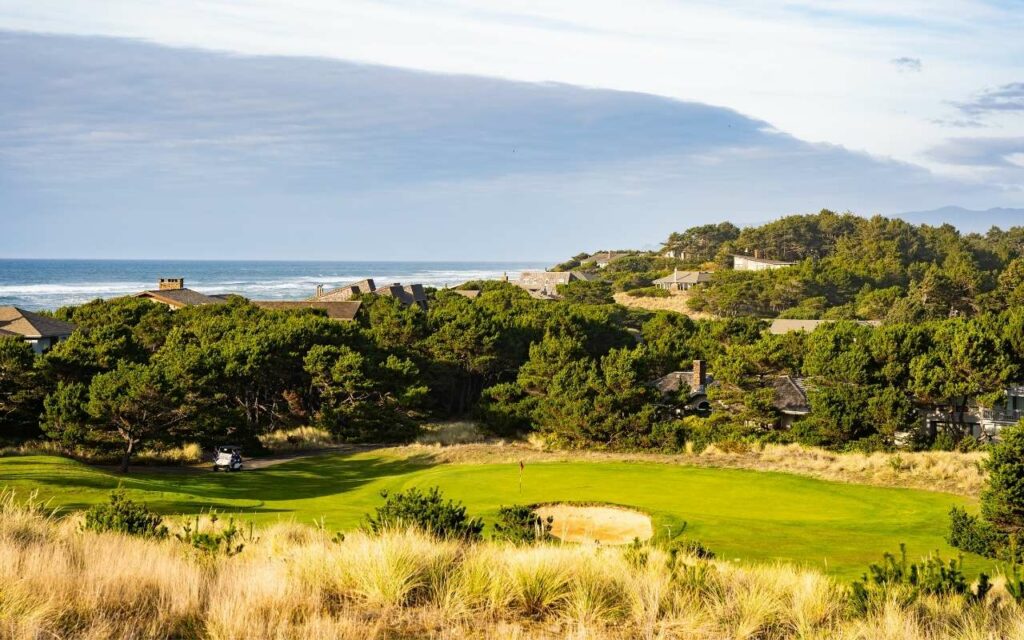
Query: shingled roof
x=180 y=297
x=686 y=277
x=791 y=396
x=340 y=310
x=15 y=321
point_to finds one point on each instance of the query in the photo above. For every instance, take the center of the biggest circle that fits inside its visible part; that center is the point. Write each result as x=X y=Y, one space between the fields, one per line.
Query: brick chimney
x=700 y=374
x=171 y=283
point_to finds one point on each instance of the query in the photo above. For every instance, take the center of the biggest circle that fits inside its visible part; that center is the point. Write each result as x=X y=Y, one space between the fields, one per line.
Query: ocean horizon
x=41 y=284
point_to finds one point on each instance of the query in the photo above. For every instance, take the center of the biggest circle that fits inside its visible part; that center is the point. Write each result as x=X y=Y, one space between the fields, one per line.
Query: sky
x=505 y=130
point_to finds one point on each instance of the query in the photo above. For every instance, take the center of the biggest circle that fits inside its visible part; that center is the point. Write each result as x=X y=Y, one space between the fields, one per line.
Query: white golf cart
x=228 y=458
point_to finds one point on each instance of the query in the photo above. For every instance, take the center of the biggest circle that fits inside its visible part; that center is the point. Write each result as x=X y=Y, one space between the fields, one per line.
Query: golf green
x=742 y=515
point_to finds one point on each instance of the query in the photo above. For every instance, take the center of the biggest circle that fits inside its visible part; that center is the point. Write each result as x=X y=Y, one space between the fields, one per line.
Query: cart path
x=248 y=464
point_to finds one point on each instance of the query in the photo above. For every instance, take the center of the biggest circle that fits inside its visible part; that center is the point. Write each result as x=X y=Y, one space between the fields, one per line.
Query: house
x=472 y=294
x=756 y=263
x=981 y=422
x=781 y=326
x=678 y=254
x=790 y=400
x=696 y=381
x=546 y=282
x=342 y=310
x=345 y=292
x=172 y=292
x=39 y=331
x=408 y=295
x=683 y=280
x=603 y=258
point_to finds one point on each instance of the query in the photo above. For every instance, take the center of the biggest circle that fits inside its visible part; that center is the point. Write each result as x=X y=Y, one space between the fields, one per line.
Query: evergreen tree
x=1002 y=501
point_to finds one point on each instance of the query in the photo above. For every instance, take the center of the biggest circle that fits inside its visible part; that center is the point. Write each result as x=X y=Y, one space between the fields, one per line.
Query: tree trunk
x=126 y=458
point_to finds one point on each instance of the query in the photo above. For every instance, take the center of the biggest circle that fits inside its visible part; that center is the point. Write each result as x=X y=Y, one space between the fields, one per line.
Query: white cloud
x=818 y=70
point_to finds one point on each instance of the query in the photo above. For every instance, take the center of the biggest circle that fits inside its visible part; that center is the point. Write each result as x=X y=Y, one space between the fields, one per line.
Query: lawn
x=746 y=515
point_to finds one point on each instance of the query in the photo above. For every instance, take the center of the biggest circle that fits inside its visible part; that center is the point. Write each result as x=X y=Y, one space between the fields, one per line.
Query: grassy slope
x=740 y=514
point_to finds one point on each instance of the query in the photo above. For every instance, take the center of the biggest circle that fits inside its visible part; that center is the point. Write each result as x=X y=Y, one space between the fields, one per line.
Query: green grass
x=745 y=515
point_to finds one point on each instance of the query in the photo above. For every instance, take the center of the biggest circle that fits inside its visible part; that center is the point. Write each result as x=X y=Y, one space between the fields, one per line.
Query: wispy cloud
x=904 y=63
x=1003 y=99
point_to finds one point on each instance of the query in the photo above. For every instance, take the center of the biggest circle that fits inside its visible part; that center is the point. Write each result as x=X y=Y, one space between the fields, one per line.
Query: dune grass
x=740 y=514
x=297 y=581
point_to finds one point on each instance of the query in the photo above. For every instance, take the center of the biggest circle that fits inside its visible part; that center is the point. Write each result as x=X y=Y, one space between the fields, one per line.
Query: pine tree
x=1002 y=502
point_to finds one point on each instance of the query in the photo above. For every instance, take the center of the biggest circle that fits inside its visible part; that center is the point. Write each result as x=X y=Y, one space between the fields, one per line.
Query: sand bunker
x=596 y=524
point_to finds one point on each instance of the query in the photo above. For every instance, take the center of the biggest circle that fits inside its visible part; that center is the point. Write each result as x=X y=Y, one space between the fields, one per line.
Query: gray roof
x=791 y=395
x=408 y=295
x=341 y=310
x=607 y=256
x=686 y=277
x=467 y=293
x=549 y=279
x=180 y=297
x=345 y=292
x=780 y=326
x=32 y=325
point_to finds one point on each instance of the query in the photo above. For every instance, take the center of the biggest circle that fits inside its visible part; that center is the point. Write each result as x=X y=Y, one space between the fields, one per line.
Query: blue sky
x=407 y=130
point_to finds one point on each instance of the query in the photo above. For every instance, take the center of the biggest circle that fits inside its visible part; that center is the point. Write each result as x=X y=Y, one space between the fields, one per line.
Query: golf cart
x=228 y=458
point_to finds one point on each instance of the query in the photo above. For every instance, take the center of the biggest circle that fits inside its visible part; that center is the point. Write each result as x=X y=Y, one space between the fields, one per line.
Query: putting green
x=743 y=515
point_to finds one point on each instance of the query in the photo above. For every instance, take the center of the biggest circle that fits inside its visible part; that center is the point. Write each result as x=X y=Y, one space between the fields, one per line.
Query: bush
x=427 y=511
x=933 y=576
x=521 y=524
x=690 y=547
x=970 y=533
x=648 y=292
x=122 y=515
x=229 y=541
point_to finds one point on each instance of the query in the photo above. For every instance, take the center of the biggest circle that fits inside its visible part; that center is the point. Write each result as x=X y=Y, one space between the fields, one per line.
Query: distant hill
x=967 y=219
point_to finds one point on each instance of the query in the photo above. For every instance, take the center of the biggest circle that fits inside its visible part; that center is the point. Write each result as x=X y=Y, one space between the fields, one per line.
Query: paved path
x=248 y=464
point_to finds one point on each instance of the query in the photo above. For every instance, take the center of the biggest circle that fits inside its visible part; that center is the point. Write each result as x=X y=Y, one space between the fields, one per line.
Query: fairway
x=741 y=515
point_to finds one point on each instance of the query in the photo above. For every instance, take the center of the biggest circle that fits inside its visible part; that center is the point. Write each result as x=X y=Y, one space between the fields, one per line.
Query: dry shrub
x=299 y=438
x=445 y=434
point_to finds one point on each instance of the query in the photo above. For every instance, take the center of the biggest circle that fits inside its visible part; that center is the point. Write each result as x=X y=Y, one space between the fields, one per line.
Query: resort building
x=543 y=285
x=409 y=295
x=683 y=280
x=172 y=292
x=755 y=263
x=343 y=311
x=41 y=332
x=604 y=258
x=696 y=382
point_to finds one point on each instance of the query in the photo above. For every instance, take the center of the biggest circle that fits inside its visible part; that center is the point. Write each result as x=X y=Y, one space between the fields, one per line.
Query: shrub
x=229 y=541
x=648 y=292
x=126 y=516
x=428 y=511
x=933 y=576
x=691 y=547
x=972 y=534
x=522 y=524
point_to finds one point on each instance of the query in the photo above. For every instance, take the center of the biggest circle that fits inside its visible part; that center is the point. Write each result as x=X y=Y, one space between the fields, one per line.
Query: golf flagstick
x=521 y=477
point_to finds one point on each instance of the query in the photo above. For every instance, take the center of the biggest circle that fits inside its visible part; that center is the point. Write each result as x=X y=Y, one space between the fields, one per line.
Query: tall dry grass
x=293 y=581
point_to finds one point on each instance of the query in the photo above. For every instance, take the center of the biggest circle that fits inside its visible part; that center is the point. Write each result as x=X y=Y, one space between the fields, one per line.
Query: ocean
x=49 y=284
